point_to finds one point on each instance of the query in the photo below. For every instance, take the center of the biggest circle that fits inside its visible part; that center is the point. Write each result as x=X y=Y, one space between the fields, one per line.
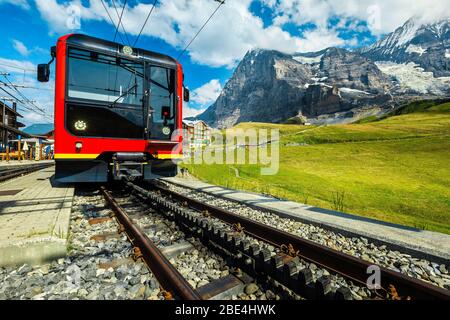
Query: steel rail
x=169 y=277
x=348 y=266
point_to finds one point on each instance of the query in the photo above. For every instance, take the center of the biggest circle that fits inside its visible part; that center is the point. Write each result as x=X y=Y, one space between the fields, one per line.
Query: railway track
x=167 y=275
x=284 y=267
x=7 y=173
x=160 y=248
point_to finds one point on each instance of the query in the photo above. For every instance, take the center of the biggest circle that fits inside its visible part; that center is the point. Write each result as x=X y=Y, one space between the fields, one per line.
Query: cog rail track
x=168 y=277
x=283 y=269
x=8 y=173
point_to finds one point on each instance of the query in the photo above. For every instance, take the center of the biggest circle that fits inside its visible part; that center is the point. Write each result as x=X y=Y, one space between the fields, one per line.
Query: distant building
x=40 y=141
x=197 y=134
x=9 y=125
x=41 y=130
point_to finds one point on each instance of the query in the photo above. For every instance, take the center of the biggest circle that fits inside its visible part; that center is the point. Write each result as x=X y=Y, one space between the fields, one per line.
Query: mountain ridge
x=335 y=84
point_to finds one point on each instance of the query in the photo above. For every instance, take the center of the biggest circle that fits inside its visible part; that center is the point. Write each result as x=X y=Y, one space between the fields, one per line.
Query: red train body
x=118 y=111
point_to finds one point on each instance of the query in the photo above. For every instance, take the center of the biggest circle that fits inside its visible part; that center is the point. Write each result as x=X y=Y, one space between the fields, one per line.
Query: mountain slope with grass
x=394 y=169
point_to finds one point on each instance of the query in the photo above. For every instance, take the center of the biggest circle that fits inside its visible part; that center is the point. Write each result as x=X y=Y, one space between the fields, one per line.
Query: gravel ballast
x=359 y=247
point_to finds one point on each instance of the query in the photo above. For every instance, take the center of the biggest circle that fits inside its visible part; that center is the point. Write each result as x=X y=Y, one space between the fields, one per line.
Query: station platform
x=424 y=244
x=34 y=218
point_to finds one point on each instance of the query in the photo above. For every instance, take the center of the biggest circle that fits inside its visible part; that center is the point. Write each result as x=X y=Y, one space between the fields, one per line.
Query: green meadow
x=395 y=169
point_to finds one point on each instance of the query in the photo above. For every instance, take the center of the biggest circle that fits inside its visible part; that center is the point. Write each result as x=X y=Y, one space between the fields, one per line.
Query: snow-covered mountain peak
x=422 y=42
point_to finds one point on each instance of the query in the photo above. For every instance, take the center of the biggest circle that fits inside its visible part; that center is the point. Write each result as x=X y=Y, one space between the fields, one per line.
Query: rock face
x=343 y=68
x=427 y=45
x=265 y=87
x=336 y=84
x=270 y=86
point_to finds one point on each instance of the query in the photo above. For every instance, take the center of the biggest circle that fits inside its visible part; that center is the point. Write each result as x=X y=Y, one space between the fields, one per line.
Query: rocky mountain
x=270 y=86
x=427 y=45
x=267 y=86
x=336 y=85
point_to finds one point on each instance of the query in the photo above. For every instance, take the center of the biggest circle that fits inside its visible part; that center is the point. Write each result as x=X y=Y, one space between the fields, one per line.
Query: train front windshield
x=105 y=97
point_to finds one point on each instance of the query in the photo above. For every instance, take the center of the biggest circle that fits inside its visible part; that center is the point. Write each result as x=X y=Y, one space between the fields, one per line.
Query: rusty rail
x=169 y=277
x=348 y=266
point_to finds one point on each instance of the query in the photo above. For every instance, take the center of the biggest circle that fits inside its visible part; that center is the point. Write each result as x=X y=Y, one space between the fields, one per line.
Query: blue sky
x=31 y=27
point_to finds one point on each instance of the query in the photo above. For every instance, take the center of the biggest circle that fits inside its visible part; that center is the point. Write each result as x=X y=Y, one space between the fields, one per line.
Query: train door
x=161 y=102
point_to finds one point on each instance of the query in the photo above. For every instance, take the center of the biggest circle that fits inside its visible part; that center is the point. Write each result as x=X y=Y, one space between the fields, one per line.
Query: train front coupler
x=128 y=165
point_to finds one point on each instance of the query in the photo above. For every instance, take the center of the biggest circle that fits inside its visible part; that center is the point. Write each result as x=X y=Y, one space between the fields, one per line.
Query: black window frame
x=147 y=64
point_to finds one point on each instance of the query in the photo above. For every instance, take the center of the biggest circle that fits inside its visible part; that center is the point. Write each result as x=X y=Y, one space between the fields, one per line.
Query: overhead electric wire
x=16 y=67
x=22 y=95
x=18 y=100
x=204 y=25
x=112 y=21
x=145 y=23
x=31 y=105
x=120 y=21
x=23 y=86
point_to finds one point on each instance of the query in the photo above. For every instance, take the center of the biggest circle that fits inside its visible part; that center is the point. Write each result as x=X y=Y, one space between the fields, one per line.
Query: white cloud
x=202 y=98
x=230 y=34
x=382 y=16
x=22 y=3
x=207 y=94
x=21 y=48
x=191 y=112
x=319 y=39
x=234 y=29
x=16 y=66
x=67 y=16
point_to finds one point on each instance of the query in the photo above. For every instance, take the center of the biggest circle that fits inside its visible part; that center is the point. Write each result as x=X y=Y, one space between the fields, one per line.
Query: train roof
x=106 y=46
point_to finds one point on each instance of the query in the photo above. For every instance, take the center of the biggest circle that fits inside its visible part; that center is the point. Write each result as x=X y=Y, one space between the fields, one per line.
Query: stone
x=153 y=284
x=82 y=293
x=100 y=272
x=94 y=295
x=270 y=295
x=134 y=281
x=251 y=288
x=137 y=291
x=24 y=269
x=192 y=283
x=437 y=280
x=210 y=262
x=44 y=269
x=443 y=269
x=202 y=283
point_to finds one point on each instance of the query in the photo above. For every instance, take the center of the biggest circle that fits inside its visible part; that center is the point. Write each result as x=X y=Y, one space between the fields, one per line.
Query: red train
x=118 y=110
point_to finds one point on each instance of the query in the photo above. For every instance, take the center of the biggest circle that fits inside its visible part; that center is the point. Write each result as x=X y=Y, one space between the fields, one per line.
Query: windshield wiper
x=123 y=95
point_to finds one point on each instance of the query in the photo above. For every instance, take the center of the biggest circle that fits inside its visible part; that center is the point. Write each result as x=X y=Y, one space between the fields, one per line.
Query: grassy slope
x=395 y=170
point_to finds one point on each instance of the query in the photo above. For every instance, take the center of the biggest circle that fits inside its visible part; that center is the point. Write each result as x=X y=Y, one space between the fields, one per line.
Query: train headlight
x=127 y=50
x=80 y=125
x=166 y=131
x=78 y=145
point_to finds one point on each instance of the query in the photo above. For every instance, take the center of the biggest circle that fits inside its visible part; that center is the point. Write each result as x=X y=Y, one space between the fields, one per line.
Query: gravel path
x=359 y=247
